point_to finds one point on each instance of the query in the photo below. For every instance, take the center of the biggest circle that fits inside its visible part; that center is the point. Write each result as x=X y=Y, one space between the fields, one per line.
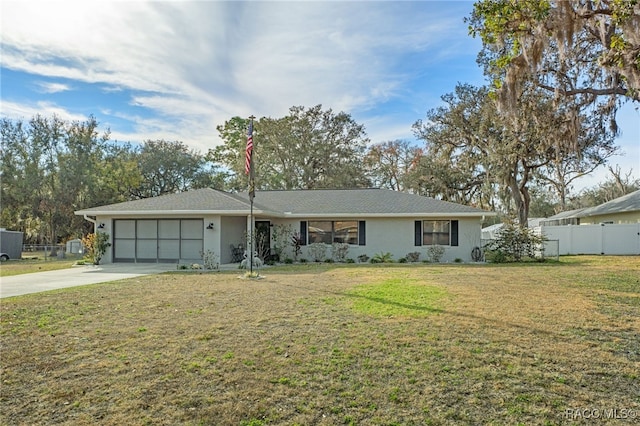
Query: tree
x=619 y=183
x=390 y=164
x=484 y=147
x=49 y=169
x=307 y=149
x=581 y=51
x=458 y=137
x=231 y=153
x=166 y=167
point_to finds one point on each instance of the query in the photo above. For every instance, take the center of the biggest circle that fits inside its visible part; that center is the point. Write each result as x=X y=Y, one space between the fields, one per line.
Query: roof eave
x=386 y=215
x=166 y=212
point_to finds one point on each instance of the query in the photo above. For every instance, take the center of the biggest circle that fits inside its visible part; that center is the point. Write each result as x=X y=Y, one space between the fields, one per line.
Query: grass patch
x=517 y=344
x=397 y=297
x=18 y=267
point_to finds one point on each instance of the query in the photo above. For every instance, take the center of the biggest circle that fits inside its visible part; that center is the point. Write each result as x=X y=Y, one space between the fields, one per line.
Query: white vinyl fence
x=595 y=239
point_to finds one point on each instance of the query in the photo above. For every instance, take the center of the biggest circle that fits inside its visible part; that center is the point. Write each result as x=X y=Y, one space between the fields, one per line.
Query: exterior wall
x=211 y=237
x=393 y=235
x=396 y=236
x=232 y=231
x=616 y=218
x=108 y=229
x=595 y=239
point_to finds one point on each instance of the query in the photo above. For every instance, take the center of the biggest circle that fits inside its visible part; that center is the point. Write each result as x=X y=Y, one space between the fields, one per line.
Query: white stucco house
x=621 y=210
x=178 y=227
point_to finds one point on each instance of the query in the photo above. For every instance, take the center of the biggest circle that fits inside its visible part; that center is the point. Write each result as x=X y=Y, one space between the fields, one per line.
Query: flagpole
x=251 y=190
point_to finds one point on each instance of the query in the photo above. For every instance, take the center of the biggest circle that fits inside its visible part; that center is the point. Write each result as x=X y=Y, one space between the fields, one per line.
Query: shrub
x=318 y=251
x=402 y=260
x=363 y=258
x=414 y=256
x=496 y=256
x=339 y=251
x=382 y=258
x=96 y=245
x=435 y=253
x=210 y=259
x=279 y=238
x=515 y=244
x=288 y=261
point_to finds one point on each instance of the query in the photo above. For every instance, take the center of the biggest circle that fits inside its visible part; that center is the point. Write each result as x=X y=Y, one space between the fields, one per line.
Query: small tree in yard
x=515 y=244
x=96 y=245
x=280 y=236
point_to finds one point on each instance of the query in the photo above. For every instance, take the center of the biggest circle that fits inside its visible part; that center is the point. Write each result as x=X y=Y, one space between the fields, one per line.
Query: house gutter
x=386 y=215
x=87 y=218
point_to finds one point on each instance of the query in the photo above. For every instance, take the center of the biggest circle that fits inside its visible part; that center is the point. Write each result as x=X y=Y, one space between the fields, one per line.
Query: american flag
x=249 y=150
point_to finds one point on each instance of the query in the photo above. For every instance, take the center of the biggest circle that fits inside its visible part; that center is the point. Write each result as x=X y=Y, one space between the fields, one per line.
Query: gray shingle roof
x=355 y=202
x=567 y=214
x=197 y=200
x=626 y=203
x=328 y=202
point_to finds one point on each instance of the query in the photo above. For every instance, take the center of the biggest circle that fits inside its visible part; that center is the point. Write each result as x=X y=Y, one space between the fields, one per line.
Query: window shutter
x=362 y=239
x=454 y=233
x=303 y=232
x=418 y=234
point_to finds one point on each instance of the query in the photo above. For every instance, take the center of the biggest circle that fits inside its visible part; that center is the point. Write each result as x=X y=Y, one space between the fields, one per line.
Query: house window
x=436 y=232
x=336 y=231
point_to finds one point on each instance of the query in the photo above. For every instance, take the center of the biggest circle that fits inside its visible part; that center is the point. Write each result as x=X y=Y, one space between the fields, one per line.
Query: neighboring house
x=625 y=209
x=622 y=210
x=178 y=227
x=569 y=217
x=612 y=228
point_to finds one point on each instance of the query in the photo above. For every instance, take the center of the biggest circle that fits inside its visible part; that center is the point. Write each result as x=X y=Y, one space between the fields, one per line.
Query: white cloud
x=228 y=58
x=48 y=87
x=24 y=111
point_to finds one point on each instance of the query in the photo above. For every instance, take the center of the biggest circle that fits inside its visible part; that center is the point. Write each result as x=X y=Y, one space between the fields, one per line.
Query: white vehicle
x=4 y=257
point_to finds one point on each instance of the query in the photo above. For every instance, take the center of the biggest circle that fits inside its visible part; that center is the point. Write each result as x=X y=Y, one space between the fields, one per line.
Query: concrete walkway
x=17 y=285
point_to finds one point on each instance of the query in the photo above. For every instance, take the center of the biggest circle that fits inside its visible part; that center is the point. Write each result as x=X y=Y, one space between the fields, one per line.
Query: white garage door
x=157 y=240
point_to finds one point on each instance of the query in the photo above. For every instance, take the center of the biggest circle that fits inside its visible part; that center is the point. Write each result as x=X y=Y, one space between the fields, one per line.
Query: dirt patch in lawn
x=501 y=345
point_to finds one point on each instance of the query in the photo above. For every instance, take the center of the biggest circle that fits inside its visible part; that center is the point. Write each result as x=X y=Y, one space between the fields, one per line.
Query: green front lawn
x=330 y=345
x=28 y=266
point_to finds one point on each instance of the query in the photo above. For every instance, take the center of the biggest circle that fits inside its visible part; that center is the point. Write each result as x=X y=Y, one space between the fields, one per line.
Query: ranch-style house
x=179 y=227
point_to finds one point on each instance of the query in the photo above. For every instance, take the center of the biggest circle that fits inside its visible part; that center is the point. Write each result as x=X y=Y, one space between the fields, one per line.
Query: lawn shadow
x=477 y=318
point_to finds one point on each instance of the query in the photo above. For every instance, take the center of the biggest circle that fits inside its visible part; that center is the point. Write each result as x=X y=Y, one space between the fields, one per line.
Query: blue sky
x=174 y=70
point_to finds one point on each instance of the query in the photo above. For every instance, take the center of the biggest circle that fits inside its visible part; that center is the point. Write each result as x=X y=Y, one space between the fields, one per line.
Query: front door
x=263 y=239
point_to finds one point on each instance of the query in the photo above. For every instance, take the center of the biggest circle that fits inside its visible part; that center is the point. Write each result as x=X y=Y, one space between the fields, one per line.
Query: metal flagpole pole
x=251 y=236
x=252 y=191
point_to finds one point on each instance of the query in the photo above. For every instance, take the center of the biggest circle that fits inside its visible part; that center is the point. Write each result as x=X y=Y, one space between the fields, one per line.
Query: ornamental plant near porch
x=96 y=245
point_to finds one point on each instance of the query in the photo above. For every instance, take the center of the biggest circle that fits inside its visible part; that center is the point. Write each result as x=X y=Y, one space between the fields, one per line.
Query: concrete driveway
x=76 y=276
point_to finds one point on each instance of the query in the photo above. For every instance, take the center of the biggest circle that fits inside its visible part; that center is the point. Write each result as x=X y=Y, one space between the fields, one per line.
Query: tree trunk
x=520 y=195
